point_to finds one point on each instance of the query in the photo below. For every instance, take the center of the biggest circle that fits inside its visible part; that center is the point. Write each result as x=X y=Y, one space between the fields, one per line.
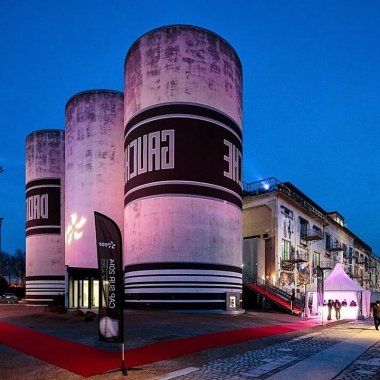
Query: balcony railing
x=273 y=184
x=311 y=234
x=287 y=265
x=297 y=257
x=334 y=247
x=327 y=264
x=362 y=263
x=347 y=268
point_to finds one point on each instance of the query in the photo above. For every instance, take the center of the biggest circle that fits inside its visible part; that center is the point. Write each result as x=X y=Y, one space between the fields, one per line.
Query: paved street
x=339 y=350
x=273 y=361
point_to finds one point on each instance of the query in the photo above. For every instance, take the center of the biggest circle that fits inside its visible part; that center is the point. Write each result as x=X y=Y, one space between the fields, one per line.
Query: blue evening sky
x=311 y=88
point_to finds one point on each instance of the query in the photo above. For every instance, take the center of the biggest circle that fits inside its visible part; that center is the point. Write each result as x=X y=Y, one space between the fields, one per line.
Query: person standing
x=329 y=307
x=337 y=306
x=376 y=314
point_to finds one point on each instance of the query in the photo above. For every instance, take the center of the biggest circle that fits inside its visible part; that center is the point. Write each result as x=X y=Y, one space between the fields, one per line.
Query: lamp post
x=320 y=290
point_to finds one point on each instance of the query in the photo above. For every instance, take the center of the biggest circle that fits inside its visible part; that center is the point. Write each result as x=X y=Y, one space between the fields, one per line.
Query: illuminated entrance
x=83 y=288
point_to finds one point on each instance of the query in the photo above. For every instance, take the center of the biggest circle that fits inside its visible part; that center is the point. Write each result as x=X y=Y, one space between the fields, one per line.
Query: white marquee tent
x=339 y=286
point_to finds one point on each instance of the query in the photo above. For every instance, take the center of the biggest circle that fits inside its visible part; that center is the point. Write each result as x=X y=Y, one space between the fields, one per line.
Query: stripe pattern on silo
x=180 y=285
x=41 y=290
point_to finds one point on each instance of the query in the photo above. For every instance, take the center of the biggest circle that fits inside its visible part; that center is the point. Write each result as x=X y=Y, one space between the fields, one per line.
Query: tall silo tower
x=183 y=156
x=94 y=182
x=45 y=254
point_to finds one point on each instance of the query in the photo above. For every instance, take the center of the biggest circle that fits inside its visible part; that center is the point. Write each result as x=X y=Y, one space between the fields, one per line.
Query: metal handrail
x=299 y=301
x=312 y=233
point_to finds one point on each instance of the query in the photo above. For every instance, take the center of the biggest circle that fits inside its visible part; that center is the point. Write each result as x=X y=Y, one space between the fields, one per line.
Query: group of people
x=337 y=306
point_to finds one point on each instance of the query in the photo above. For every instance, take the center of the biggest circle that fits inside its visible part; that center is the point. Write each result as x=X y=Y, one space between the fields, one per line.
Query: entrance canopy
x=338 y=280
x=339 y=286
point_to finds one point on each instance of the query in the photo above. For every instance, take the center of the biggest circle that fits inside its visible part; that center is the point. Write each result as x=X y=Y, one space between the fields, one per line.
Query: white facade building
x=298 y=237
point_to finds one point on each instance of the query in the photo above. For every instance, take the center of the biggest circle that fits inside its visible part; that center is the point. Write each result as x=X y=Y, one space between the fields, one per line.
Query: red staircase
x=273 y=297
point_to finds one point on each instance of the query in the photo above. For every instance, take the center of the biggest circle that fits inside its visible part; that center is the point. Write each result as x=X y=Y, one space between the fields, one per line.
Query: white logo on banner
x=110 y=245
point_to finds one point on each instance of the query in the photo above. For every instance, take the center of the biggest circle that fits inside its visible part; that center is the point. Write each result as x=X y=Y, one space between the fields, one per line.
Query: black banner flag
x=111 y=294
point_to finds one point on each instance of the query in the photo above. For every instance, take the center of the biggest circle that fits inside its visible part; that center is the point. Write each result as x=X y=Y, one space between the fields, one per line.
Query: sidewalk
x=330 y=362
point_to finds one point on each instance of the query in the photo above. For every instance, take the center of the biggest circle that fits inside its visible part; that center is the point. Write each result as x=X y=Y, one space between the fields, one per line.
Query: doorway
x=83 y=289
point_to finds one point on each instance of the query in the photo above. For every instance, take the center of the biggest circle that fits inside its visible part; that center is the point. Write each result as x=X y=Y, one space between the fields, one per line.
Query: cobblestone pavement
x=263 y=363
x=365 y=367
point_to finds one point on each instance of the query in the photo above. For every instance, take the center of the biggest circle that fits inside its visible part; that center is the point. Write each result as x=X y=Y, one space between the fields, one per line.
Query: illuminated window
x=316 y=259
x=286 y=250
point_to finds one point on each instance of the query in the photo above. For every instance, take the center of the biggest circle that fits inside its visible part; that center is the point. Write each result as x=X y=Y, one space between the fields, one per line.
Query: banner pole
x=123 y=369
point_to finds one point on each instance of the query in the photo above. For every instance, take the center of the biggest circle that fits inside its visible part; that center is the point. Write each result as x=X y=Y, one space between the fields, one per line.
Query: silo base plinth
x=182 y=286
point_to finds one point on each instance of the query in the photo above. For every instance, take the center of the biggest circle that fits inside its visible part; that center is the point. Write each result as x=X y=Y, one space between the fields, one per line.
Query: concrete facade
x=94 y=182
x=45 y=250
x=182 y=218
x=94 y=170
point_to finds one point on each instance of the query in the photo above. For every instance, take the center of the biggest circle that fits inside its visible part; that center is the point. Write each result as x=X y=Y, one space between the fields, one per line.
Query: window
x=287 y=212
x=344 y=250
x=286 y=250
x=328 y=241
x=303 y=227
x=317 y=231
x=316 y=259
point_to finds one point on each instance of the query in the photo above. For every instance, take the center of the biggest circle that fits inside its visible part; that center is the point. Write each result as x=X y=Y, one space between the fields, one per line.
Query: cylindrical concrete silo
x=94 y=182
x=45 y=253
x=183 y=155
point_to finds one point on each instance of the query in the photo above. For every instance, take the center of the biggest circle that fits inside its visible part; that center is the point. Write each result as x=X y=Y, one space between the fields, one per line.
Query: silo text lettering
x=37 y=207
x=153 y=151
x=233 y=159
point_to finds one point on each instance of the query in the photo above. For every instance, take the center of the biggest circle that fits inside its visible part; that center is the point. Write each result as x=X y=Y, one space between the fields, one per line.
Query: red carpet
x=89 y=361
x=78 y=358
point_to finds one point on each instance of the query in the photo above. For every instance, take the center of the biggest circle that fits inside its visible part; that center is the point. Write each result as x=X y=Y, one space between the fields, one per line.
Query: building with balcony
x=287 y=236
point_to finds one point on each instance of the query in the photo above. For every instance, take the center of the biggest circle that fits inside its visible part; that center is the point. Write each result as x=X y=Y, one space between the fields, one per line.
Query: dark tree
x=4 y=264
x=3 y=285
x=19 y=265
